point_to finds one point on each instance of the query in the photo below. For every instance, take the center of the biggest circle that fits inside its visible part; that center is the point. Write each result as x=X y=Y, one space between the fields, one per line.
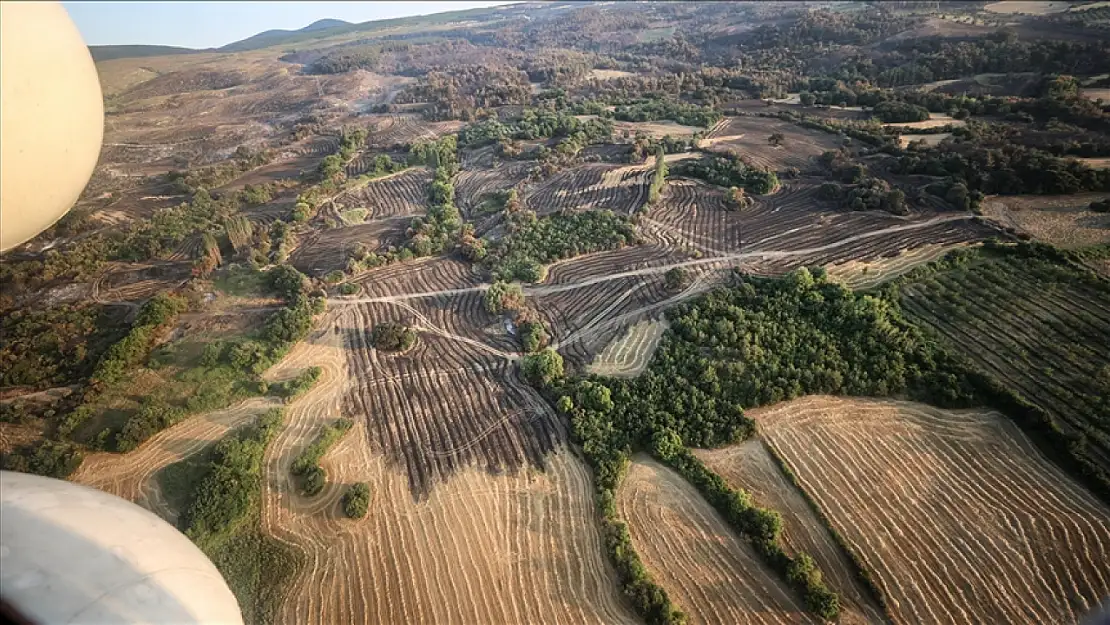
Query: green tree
x=356 y=501
x=543 y=368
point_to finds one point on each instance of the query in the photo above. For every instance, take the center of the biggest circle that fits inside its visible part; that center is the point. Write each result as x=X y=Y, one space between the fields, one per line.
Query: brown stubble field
x=713 y=575
x=514 y=545
x=955 y=514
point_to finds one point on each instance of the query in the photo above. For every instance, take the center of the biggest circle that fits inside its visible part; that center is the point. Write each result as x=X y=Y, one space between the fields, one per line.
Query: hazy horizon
x=215 y=24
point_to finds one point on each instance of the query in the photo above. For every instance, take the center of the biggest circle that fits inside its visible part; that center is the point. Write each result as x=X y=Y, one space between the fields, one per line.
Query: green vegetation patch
x=223 y=519
x=727 y=171
x=533 y=242
x=356 y=501
x=307 y=463
x=53 y=346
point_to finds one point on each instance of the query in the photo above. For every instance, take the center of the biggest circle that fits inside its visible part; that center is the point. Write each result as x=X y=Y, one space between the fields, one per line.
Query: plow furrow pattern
x=713 y=576
x=955 y=514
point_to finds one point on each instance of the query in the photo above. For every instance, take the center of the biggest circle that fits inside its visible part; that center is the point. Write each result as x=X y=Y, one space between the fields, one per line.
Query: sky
x=214 y=24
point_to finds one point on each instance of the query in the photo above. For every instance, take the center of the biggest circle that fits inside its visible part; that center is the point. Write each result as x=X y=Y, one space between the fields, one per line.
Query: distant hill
x=107 y=53
x=278 y=36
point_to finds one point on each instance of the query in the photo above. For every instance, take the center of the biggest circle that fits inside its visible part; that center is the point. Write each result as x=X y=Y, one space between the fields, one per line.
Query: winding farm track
x=509 y=546
x=711 y=574
x=956 y=515
x=130 y=475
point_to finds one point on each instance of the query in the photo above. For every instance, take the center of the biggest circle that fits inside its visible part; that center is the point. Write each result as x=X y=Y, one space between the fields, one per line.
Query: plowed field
x=956 y=515
x=711 y=574
x=480 y=548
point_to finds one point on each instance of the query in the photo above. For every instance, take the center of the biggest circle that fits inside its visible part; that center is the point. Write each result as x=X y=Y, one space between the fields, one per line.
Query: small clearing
x=606 y=74
x=1027 y=8
x=935 y=120
x=929 y=140
x=1062 y=220
x=629 y=355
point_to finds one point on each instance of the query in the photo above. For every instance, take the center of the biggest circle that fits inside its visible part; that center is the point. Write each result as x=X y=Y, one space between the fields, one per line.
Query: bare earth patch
x=1058 y=219
x=955 y=514
x=935 y=120
x=1027 y=7
x=606 y=74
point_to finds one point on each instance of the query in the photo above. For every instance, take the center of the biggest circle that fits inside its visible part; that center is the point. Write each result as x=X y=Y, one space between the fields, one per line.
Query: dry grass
x=689 y=549
x=935 y=120
x=929 y=140
x=748 y=137
x=481 y=548
x=1027 y=7
x=865 y=275
x=654 y=129
x=606 y=74
x=1062 y=220
x=629 y=355
x=750 y=467
x=956 y=515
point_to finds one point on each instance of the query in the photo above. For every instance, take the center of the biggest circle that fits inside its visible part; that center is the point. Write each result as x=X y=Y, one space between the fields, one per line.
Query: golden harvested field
x=629 y=355
x=654 y=129
x=935 y=120
x=711 y=574
x=1028 y=7
x=858 y=275
x=130 y=475
x=747 y=135
x=1097 y=162
x=481 y=548
x=1062 y=220
x=606 y=74
x=956 y=515
x=750 y=467
x=929 y=140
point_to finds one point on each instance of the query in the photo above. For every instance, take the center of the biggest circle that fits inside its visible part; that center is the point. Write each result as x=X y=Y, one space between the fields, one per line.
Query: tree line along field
x=583 y=281
x=974 y=523
x=1033 y=323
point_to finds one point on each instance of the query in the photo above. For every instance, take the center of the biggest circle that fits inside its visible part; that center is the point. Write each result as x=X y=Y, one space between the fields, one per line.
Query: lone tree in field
x=776 y=139
x=356 y=501
x=393 y=337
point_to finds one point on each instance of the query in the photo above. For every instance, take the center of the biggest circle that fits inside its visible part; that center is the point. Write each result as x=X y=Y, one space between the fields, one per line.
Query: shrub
x=543 y=368
x=393 y=337
x=356 y=501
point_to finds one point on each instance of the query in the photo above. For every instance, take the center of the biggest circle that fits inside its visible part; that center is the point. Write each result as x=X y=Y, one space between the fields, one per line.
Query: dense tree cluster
x=537 y=124
x=728 y=171
x=231 y=488
x=392 y=337
x=307 y=463
x=900 y=112
x=439 y=229
x=534 y=242
x=655 y=109
x=52 y=346
x=823 y=27
x=1006 y=170
x=503 y=297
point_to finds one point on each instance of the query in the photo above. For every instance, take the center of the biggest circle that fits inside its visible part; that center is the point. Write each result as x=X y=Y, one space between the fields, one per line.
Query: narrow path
x=750 y=255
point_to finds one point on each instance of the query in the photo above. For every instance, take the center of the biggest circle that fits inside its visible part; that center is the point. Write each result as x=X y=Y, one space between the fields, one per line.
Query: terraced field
x=328 y=250
x=861 y=275
x=398 y=195
x=629 y=355
x=447 y=403
x=688 y=548
x=593 y=186
x=387 y=131
x=956 y=515
x=1035 y=326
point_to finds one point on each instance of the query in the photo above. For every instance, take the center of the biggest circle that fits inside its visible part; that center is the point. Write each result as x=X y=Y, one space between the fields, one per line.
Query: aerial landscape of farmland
x=597 y=312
